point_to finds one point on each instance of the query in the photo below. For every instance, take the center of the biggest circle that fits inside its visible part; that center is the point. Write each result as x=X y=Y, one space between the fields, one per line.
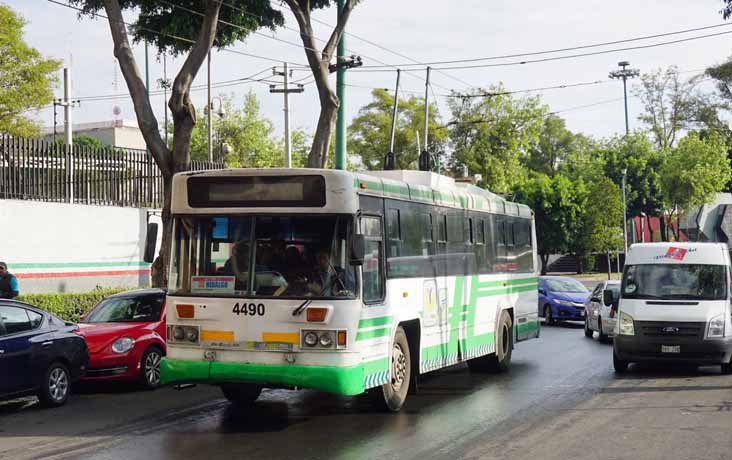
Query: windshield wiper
x=301 y=308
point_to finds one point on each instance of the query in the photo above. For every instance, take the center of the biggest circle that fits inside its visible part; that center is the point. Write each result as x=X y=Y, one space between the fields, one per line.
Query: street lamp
x=221 y=112
x=623 y=74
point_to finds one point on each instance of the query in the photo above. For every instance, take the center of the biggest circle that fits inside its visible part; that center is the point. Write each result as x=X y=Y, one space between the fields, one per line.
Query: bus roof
x=418 y=186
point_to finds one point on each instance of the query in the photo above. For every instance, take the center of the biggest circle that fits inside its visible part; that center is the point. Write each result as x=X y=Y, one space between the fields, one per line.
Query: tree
x=492 y=134
x=555 y=145
x=319 y=62
x=248 y=135
x=601 y=219
x=370 y=131
x=694 y=172
x=27 y=77
x=673 y=105
x=175 y=26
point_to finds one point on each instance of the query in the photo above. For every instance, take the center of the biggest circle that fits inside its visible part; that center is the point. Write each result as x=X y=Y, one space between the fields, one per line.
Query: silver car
x=597 y=314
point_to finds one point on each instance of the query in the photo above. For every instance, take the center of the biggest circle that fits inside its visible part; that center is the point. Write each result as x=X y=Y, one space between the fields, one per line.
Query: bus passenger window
x=373 y=279
x=393 y=224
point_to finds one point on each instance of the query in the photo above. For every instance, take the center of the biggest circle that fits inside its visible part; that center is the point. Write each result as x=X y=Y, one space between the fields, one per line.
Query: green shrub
x=69 y=306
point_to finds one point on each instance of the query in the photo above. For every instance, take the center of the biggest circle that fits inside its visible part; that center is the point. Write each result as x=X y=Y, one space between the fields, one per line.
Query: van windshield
x=675 y=281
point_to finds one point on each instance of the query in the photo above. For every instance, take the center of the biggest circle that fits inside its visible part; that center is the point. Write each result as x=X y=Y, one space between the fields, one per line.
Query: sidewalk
x=646 y=414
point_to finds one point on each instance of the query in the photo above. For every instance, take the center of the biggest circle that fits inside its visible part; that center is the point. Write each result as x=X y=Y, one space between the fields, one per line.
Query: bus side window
x=373 y=276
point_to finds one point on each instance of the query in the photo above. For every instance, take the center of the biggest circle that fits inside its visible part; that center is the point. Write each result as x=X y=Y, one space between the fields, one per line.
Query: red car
x=125 y=334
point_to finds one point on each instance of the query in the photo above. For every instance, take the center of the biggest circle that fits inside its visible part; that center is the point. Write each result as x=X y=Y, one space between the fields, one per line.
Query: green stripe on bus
x=366 y=335
x=396 y=189
x=510 y=282
x=379 y=321
x=78 y=264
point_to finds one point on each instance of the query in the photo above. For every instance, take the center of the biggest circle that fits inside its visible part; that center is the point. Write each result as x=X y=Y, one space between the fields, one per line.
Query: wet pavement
x=454 y=414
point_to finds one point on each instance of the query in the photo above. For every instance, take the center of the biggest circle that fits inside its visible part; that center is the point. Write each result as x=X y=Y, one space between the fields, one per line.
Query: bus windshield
x=675 y=281
x=262 y=256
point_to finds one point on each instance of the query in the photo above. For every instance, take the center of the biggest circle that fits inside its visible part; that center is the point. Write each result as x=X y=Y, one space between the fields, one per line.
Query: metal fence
x=34 y=169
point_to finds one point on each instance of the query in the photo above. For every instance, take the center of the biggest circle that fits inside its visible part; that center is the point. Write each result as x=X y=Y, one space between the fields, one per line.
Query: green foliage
x=83 y=140
x=493 y=134
x=69 y=306
x=26 y=78
x=694 y=172
x=369 y=133
x=159 y=23
x=556 y=143
x=601 y=218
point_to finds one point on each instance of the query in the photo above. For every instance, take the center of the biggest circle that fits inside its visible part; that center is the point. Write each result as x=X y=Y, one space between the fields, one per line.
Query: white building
x=116 y=133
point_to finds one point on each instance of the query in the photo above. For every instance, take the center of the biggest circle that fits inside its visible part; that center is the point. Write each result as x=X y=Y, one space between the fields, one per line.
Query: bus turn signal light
x=185 y=310
x=341 y=338
x=316 y=315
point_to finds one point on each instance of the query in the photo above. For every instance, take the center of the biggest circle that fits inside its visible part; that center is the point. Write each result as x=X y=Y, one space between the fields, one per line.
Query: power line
x=572 y=48
x=175 y=37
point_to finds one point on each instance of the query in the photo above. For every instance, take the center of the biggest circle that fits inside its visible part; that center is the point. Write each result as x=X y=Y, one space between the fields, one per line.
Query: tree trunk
x=544 y=260
x=160 y=272
x=580 y=268
x=318 y=156
x=662 y=225
x=609 y=267
x=650 y=227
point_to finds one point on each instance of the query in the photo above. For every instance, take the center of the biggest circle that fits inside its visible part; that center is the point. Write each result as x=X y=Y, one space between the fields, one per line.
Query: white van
x=674 y=305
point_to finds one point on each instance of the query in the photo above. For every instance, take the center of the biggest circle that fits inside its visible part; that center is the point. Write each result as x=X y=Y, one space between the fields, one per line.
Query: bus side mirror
x=151 y=239
x=358 y=249
x=608 y=298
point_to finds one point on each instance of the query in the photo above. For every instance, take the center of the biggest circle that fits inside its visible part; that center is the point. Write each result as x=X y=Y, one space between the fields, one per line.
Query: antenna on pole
x=390 y=158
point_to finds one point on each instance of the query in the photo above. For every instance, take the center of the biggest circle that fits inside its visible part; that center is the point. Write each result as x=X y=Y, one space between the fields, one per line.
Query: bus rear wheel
x=395 y=391
x=241 y=394
x=501 y=360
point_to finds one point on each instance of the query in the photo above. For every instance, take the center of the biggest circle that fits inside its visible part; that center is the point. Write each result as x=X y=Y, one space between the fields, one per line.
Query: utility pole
x=209 y=107
x=147 y=150
x=340 y=153
x=286 y=90
x=625 y=225
x=624 y=74
x=68 y=104
x=165 y=84
x=390 y=159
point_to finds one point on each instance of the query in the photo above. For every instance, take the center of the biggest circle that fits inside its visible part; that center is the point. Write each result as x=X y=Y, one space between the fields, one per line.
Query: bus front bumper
x=338 y=380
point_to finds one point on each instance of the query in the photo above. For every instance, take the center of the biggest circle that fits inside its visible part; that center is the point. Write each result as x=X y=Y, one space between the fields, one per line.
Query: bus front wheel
x=501 y=360
x=241 y=394
x=395 y=390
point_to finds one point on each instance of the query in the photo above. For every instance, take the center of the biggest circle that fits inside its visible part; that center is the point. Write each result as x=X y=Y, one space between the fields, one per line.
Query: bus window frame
x=382 y=262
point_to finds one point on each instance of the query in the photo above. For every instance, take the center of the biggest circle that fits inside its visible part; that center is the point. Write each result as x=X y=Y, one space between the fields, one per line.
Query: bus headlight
x=326 y=340
x=178 y=333
x=625 y=324
x=310 y=339
x=715 y=330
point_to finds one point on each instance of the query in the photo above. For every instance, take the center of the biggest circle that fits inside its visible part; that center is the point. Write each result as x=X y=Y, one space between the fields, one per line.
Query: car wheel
x=602 y=336
x=548 y=319
x=56 y=386
x=241 y=394
x=150 y=368
x=619 y=365
x=588 y=331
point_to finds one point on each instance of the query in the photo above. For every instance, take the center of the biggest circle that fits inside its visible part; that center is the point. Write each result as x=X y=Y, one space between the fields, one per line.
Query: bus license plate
x=670 y=348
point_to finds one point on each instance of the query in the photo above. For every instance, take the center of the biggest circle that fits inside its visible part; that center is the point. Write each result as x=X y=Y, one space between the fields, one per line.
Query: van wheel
x=56 y=386
x=619 y=365
x=727 y=368
x=501 y=360
x=394 y=392
x=588 y=331
x=241 y=394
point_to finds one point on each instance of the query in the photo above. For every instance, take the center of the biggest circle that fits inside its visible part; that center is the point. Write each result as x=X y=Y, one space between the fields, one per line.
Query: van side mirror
x=151 y=239
x=358 y=249
x=609 y=298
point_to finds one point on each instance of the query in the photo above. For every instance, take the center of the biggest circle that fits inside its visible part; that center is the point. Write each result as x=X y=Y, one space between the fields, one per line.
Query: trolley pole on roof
x=340 y=153
x=426 y=107
x=390 y=159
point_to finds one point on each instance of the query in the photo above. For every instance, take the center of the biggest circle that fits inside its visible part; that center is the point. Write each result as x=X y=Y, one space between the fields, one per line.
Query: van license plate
x=670 y=348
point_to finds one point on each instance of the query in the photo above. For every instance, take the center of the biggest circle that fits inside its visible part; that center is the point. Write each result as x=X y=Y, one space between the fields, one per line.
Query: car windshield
x=127 y=309
x=675 y=281
x=565 y=285
x=263 y=256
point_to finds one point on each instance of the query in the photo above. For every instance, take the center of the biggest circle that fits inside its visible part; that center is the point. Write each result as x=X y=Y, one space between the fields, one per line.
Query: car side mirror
x=151 y=240
x=358 y=249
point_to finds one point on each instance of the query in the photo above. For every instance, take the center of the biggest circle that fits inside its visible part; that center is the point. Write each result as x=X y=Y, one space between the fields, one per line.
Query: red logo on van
x=675 y=253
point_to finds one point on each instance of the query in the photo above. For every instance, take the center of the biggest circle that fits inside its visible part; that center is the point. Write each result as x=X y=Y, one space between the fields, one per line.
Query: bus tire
x=501 y=359
x=395 y=391
x=241 y=394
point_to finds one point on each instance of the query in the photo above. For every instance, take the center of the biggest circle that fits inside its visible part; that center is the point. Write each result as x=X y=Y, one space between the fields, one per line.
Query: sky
x=423 y=31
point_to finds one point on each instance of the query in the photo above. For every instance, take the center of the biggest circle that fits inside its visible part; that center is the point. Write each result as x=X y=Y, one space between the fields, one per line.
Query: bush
x=69 y=306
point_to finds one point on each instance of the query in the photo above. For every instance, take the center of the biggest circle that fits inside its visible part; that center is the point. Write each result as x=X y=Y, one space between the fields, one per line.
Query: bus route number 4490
x=249 y=309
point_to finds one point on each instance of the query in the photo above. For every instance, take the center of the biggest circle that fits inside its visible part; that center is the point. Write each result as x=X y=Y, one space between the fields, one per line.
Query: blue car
x=562 y=299
x=40 y=354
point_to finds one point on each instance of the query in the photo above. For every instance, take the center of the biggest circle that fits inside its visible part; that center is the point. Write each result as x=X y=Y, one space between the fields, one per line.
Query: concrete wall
x=56 y=247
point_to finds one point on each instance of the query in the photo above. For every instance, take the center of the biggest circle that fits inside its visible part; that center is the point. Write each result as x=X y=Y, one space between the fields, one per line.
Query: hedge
x=69 y=306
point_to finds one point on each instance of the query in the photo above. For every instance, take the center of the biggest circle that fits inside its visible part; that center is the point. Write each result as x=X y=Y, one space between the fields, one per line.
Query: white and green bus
x=343 y=282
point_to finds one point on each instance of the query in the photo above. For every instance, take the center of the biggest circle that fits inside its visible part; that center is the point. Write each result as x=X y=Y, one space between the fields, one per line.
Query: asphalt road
x=453 y=409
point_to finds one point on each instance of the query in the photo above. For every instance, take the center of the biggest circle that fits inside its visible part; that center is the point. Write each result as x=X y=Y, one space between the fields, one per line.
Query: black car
x=40 y=354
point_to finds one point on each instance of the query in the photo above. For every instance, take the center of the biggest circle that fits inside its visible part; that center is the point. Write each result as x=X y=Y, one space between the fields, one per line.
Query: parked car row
x=121 y=338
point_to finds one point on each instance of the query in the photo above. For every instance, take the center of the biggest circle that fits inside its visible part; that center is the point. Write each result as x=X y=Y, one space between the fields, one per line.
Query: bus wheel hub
x=398 y=367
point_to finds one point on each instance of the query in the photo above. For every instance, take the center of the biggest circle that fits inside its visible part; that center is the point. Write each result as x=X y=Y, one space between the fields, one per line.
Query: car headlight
x=123 y=345
x=715 y=329
x=566 y=303
x=625 y=324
